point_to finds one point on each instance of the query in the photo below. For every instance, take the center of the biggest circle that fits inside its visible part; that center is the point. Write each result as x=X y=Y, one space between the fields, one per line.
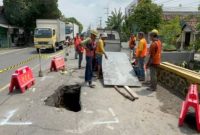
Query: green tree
x=146 y=15
x=170 y=30
x=16 y=11
x=73 y=20
x=23 y=13
x=115 y=20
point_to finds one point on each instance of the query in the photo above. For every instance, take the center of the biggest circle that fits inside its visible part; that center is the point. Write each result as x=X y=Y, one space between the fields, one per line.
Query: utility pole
x=100 y=22
x=107 y=11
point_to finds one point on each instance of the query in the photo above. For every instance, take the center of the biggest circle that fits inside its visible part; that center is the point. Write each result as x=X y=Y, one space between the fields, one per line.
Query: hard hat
x=155 y=31
x=94 y=32
x=104 y=35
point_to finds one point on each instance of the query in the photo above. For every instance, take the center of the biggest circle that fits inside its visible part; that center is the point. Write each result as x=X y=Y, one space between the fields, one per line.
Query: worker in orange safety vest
x=154 y=59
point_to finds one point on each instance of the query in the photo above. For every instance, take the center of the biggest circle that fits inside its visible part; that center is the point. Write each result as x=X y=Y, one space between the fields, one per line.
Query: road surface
x=104 y=111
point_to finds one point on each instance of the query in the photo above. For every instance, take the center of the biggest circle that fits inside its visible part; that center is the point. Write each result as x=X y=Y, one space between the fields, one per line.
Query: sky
x=89 y=11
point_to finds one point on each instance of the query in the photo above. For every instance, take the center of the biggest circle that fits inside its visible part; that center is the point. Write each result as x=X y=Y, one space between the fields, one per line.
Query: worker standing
x=154 y=59
x=141 y=52
x=80 y=50
x=132 y=44
x=76 y=43
x=100 y=51
x=89 y=45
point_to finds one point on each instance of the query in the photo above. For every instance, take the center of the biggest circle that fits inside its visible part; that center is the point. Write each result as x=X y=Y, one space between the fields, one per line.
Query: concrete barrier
x=177 y=57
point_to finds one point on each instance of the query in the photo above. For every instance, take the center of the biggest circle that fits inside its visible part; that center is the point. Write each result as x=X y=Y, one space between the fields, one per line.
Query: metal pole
x=40 y=63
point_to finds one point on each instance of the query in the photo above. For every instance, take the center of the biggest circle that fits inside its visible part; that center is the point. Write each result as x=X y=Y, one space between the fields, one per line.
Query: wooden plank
x=124 y=94
x=131 y=92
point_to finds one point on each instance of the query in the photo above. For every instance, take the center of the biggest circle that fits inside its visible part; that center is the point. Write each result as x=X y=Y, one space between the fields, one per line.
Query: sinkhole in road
x=66 y=97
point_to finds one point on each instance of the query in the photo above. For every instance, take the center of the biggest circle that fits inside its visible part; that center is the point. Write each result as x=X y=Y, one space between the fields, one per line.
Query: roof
x=180 y=9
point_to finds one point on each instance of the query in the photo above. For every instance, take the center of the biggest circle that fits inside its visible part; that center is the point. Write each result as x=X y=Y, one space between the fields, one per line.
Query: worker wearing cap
x=100 y=51
x=89 y=45
x=141 y=53
x=154 y=59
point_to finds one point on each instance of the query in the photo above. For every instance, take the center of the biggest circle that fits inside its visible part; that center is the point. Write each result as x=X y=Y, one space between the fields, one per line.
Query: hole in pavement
x=66 y=97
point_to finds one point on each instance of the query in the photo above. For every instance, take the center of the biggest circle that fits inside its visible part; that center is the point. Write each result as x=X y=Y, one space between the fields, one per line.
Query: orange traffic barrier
x=192 y=100
x=57 y=63
x=22 y=79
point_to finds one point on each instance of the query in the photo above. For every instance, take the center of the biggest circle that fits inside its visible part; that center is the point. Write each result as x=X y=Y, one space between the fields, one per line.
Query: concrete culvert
x=66 y=97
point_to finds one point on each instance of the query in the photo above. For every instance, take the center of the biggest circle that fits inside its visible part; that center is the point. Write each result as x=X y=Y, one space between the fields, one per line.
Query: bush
x=167 y=47
x=196 y=45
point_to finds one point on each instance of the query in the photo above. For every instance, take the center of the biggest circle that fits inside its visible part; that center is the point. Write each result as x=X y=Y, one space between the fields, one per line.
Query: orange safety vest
x=155 y=52
x=132 y=42
x=144 y=51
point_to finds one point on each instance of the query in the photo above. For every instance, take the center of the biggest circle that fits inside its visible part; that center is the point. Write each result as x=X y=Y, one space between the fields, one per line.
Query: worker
x=156 y=31
x=132 y=44
x=80 y=50
x=141 y=53
x=154 y=59
x=76 y=43
x=100 y=51
x=89 y=45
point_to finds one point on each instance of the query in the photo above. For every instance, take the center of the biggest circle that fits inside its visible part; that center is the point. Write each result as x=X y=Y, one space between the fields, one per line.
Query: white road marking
x=8 y=116
x=88 y=111
x=13 y=51
x=5 y=87
x=112 y=112
x=115 y=121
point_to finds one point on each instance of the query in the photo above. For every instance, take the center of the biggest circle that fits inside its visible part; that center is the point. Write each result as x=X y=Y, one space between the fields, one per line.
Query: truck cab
x=49 y=34
x=44 y=38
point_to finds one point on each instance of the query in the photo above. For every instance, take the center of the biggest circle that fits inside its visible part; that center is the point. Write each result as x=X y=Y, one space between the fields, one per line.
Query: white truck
x=71 y=30
x=49 y=34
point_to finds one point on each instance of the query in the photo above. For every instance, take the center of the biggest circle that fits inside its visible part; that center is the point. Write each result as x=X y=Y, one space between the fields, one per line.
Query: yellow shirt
x=142 y=47
x=100 y=47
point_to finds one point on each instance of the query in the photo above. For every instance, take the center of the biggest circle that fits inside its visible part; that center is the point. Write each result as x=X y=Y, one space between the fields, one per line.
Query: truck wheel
x=38 y=50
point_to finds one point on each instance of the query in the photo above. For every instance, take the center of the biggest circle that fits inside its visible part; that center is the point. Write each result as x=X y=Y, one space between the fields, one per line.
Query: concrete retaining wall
x=177 y=57
x=173 y=82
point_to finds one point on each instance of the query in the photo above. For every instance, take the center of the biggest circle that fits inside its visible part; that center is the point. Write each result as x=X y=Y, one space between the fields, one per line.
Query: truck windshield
x=68 y=30
x=43 y=33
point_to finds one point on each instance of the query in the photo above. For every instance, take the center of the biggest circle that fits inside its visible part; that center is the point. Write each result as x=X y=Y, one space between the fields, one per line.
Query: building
x=9 y=35
x=188 y=16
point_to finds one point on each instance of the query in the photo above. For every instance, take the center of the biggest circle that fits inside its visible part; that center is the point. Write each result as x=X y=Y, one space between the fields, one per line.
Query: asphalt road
x=13 y=57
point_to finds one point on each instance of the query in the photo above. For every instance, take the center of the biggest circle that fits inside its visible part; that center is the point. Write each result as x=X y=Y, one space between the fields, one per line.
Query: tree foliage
x=147 y=15
x=115 y=20
x=23 y=13
x=170 y=30
x=73 y=20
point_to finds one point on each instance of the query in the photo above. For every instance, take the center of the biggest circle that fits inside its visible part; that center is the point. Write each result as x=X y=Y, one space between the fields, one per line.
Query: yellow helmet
x=94 y=32
x=155 y=31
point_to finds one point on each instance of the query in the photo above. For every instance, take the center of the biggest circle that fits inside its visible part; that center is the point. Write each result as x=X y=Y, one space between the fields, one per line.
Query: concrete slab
x=117 y=71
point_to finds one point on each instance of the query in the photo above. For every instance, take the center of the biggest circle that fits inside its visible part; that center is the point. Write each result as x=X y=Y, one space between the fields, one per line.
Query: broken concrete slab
x=117 y=71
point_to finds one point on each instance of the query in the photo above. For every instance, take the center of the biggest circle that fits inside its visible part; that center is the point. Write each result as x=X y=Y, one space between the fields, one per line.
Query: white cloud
x=89 y=11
